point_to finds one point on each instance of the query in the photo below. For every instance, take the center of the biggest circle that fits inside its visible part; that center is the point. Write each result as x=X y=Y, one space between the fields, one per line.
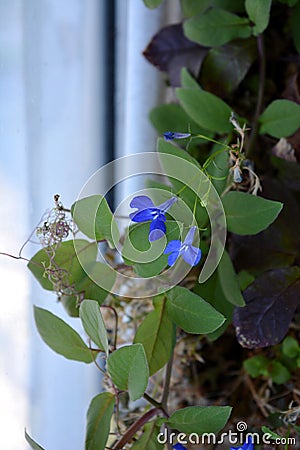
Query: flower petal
x=179 y=447
x=170 y=135
x=156 y=234
x=167 y=204
x=192 y=255
x=173 y=246
x=143 y=215
x=141 y=202
x=157 y=229
x=172 y=258
x=190 y=236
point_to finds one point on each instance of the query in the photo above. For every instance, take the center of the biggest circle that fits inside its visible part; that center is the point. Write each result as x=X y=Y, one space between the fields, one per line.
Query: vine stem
x=260 y=95
x=134 y=428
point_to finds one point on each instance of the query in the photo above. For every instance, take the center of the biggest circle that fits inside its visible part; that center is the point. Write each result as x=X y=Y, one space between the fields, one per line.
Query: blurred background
x=75 y=94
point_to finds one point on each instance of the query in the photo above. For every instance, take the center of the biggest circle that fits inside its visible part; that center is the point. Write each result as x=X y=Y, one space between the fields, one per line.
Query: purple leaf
x=170 y=51
x=271 y=301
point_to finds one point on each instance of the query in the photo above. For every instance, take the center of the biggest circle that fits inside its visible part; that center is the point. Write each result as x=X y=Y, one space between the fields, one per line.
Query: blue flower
x=179 y=447
x=170 y=135
x=148 y=211
x=248 y=445
x=189 y=252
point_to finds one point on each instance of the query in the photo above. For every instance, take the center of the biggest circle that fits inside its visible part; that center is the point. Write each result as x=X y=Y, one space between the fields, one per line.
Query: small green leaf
x=129 y=370
x=147 y=258
x=245 y=279
x=152 y=4
x=98 y=421
x=256 y=366
x=206 y=109
x=200 y=419
x=191 y=313
x=216 y=27
x=59 y=336
x=188 y=81
x=229 y=281
x=247 y=214
x=281 y=118
x=267 y=430
x=148 y=440
x=94 y=218
x=93 y=323
x=259 y=13
x=225 y=67
x=171 y=117
x=32 y=443
x=290 y=347
x=192 y=7
x=157 y=334
x=279 y=373
x=295 y=20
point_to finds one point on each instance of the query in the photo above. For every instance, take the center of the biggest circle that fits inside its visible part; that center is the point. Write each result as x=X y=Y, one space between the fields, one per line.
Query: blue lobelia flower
x=248 y=445
x=148 y=211
x=179 y=447
x=170 y=135
x=189 y=252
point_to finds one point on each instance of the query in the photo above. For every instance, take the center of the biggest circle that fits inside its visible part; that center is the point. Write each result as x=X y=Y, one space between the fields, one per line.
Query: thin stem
x=260 y=95
x=116 y=323
x=211 y=140
x=156 y=404
x=134 y=428
x=165 y=395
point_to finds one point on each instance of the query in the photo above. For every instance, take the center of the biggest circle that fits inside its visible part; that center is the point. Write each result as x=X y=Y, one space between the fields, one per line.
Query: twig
x=134 y=428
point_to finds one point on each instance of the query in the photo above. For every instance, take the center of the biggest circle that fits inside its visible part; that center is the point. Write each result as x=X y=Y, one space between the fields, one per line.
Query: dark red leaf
x=271 y=301
x=170 y=51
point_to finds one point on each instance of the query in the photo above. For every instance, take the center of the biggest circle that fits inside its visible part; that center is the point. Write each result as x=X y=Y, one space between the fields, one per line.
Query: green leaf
x=295 y=20
x=281 y=118
x=93 y=323
x=94 y=218
x=147 y=258
x=211 y=292
x=218 y=169
x=229 y=281
x=98 y=421
x=191 y=313
x=290 y=347
x=152 y=4
x=64 y=263
x=259 y=13
x=188 y=81
x=279 y=373
x=267 y=430
x=157 y=334
x=216 y=27
x=206 y=109
x=59 y=336
x=256 y=366
x=129 y=370
x=32 y=443
x=192 y=7
x=225 y=67
x=67 y=273
x=200 y=419
x=245 y=279
x=171 y=117
x=148 y=440
x=247 y=214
